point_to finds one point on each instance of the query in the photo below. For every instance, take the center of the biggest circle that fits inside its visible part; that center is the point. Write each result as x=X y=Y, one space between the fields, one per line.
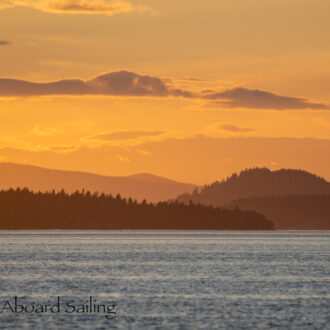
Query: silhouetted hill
x=258 y=182
x=138 y=186
x=23 y=209
x=292 y=211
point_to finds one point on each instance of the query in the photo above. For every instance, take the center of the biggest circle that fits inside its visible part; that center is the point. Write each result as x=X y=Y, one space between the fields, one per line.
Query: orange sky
x=190 y=90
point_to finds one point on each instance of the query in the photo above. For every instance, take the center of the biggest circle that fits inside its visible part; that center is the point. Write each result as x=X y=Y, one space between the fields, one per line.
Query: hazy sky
x=190 y=90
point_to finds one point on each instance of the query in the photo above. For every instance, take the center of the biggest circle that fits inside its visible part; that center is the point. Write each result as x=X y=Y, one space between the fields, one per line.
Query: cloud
x=77 y=6
x=63 y=148
x=217 y=129
x=44 y=131
x=4 y=43
x=120 y=83
x=125 y=83
x=125 y=135
x=123 y=159
x=257 y=99
x=234 y=129
x=128 y=83
x=143 y=152
x=82 y=125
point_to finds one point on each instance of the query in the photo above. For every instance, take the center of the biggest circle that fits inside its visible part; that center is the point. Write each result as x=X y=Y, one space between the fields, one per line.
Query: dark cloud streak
x=121 y=83
x=235 y=129
x=76 y=6
x=125 y=135
x=124 y=83
x=257 y=99
x=5 y=43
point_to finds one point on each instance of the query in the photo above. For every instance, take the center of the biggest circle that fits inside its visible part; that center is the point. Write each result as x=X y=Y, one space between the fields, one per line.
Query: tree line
x=25 y=209
x=258 y=182
x=310 y=212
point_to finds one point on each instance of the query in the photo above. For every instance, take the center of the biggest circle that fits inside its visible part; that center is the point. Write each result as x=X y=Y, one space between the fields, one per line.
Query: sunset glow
x=185 y=90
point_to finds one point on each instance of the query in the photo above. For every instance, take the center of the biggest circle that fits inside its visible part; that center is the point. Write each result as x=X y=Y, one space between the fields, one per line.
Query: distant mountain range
x=291 y=199
x=258 y=182
x=290 y=211
x=139 y=186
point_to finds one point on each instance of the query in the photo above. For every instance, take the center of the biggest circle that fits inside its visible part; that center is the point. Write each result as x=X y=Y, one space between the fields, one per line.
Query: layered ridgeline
x=140 y=186
x=292 y=211
x=23 y=209
x=301 y=205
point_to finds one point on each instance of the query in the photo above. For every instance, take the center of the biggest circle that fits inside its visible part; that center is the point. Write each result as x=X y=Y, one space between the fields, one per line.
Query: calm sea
x=166 y=280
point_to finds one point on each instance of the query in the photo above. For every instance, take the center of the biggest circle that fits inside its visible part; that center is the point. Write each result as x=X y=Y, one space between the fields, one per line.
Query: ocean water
x=166 y=280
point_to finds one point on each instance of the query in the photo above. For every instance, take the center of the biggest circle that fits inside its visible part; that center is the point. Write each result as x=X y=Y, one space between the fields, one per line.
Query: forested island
x=258 y=182
x=291 y=199
x=308 y=212
x=24 y=209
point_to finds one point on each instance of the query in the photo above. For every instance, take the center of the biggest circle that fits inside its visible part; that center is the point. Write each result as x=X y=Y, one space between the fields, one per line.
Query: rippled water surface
x=168 y=280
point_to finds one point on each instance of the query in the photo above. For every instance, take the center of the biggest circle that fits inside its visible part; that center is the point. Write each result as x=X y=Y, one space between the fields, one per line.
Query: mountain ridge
x=291 y=199
x=140 y=186
x=306 y=212
x=258 y=182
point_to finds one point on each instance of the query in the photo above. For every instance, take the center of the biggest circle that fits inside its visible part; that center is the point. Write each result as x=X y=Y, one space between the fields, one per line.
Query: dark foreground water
x=166 y=280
